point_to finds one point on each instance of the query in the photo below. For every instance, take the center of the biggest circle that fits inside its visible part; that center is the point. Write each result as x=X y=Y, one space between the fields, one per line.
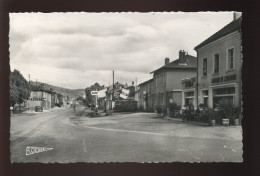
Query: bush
x=141 y=108
x=174 y=107
x=227 y=112
x=159 y=109
x=57 y=104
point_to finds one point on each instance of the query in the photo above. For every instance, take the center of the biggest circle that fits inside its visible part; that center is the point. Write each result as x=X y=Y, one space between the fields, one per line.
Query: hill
x=72 y=93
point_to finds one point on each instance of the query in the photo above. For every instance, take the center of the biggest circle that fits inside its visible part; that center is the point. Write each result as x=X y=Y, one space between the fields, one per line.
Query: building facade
x=168 y=79
x=146 y=96
x=39 y=98
x=189 y=93
x=219 y=67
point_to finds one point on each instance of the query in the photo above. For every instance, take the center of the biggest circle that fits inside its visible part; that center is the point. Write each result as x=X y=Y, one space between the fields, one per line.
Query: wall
x=177 y=97
x=174 y=78
x=172 y=81
x=32 y=104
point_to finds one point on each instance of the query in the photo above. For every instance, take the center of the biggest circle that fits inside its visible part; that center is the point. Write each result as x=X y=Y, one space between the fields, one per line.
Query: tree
x=19 y=88
x=88 y=96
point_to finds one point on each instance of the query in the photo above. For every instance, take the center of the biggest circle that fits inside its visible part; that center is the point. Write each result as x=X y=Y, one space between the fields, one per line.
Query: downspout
x=197 y=82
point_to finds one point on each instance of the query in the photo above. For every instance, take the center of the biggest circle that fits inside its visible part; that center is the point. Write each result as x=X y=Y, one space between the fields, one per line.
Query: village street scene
x=181 y=105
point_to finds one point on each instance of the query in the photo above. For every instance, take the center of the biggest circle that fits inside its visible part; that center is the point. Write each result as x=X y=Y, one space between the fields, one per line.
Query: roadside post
x=95 y=93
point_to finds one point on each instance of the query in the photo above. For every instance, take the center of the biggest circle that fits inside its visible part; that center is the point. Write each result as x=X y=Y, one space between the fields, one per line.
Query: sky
x=76 y=50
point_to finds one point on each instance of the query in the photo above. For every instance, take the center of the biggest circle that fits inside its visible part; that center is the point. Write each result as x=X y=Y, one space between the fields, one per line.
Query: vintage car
x=38 y=109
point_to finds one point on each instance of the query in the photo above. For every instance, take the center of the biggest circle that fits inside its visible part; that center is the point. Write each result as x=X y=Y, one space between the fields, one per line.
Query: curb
x=190 y=122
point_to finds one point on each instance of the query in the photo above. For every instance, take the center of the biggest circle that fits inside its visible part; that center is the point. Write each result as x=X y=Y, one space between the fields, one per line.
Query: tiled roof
x=184 y=62
x=145 y=82
x=231 y=27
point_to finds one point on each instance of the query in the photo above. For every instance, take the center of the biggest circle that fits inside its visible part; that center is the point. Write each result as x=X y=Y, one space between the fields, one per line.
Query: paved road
x=138 y=137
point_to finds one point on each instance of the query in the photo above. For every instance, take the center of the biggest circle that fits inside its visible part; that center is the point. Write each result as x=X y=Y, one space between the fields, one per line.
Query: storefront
x=226 y=94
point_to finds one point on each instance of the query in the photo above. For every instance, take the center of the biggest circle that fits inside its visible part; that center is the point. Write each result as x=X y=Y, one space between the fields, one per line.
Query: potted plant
x=236 y=115
x=164 y=111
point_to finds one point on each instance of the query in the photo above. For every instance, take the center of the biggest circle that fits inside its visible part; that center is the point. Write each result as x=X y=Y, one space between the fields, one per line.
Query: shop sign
x=125 y=93
x=223 y=79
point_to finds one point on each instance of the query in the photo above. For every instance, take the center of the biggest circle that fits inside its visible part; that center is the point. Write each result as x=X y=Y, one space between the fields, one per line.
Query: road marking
x=33 y=150
x=128 y=131
x=83 y=143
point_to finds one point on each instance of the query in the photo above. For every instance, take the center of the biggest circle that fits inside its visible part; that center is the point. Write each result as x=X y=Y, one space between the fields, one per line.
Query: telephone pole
x=113 y=85
x=29 y=78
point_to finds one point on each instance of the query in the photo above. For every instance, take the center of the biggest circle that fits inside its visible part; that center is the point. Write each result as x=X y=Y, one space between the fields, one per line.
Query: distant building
x=146 y=99
x=109 y=95
x=167 y=80
x=112 y=97
x=219 y=66
x=39 y=98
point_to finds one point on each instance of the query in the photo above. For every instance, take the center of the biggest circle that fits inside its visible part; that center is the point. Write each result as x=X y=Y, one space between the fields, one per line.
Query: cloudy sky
x=75 y=50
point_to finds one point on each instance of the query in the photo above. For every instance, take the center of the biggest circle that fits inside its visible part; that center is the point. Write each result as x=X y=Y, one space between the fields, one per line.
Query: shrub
x=141 y=108
x=228 y=112
x=159 y=109
x=174 y=107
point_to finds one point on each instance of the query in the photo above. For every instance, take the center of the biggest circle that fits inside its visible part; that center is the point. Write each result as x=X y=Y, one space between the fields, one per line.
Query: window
x=216 y=63
x=162 y=99
x=204 y=67
x=162 y=79
x=231 y=58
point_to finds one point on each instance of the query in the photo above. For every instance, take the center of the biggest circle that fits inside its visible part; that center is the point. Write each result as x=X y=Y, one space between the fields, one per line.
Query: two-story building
x=146 y=95
x=219 y=66
x=168 y=79
x=39 y=98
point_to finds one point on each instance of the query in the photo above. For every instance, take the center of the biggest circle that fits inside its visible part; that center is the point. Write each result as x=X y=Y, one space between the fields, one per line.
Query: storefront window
x=222 y=101
x=222 y=91
x=224 y=96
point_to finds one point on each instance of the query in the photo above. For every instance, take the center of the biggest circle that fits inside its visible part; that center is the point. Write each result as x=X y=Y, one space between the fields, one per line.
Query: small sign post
x=95 y=93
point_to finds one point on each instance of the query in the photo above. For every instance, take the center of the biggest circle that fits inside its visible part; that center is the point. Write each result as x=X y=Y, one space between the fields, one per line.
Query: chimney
x=236 y=15
x=133 y=83
x=167 y=60
x=181 y=54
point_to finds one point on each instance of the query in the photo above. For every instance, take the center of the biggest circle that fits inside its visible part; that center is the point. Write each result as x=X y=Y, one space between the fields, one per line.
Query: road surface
x=137 y=137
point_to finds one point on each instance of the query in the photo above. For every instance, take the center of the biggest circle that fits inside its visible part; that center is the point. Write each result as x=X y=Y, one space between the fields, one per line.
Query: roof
x=231 y=27
x=41 y=90
x=146 y=82
x=185 y=62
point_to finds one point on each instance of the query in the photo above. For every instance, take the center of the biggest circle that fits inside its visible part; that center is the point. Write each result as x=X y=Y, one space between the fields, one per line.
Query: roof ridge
x=222 y=30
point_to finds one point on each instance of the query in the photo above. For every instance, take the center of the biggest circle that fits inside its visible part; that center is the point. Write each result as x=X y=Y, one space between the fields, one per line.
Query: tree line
x=19 y=88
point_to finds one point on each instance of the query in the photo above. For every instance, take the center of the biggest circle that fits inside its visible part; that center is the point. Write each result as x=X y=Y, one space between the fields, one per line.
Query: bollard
x=236 y=122
x=212 y=122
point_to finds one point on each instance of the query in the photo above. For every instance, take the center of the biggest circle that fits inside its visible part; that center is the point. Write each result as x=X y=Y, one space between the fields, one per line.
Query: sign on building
x=125 y=93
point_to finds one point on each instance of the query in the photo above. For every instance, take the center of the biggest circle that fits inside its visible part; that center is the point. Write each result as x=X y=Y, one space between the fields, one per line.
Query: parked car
x=38 y=109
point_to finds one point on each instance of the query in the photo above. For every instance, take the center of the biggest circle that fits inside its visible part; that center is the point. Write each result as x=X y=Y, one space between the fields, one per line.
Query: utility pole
x=135 y=83
x=197 y=84
x=113 y=90
x=29 y=78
